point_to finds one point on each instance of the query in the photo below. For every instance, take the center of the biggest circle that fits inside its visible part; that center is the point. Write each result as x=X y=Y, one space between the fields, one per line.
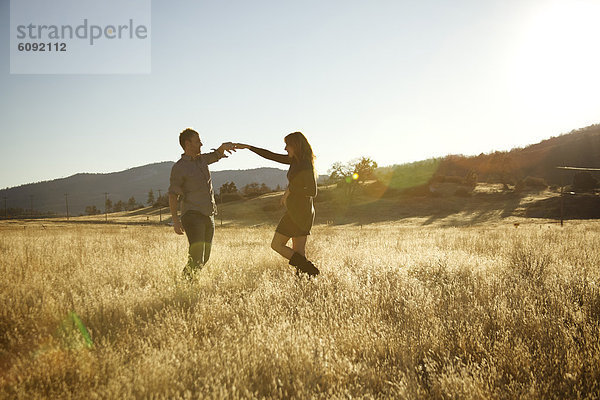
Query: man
x=191 y=184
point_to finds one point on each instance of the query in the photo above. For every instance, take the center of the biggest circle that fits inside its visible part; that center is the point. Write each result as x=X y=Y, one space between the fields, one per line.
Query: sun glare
x=557 y=62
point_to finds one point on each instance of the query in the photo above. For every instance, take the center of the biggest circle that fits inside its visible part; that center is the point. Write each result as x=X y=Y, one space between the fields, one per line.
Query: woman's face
x=289 y=149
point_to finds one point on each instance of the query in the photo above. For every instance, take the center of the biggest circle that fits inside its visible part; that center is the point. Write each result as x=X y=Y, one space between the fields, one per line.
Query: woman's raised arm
x=269 y=155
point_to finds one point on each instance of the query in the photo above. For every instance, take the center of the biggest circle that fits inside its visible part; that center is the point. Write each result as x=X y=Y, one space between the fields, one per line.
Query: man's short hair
x=185 y=135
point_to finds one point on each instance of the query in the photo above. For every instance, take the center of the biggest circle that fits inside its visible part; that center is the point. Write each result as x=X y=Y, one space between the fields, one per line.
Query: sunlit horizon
x=394 y=81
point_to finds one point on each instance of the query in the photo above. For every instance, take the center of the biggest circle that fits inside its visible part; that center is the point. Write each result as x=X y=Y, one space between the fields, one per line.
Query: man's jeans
x=199 y=230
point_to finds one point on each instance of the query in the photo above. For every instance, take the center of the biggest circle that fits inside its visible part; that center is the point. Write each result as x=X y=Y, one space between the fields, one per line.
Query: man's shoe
x=187 y=273
x=190 y=269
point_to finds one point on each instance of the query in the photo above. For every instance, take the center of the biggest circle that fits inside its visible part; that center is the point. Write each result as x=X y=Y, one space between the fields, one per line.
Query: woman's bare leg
x=279 y=245
x=299 y=244
x=295 y=254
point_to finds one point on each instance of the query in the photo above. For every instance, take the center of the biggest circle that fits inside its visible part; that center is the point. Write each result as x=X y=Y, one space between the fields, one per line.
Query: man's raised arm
x=219 y=153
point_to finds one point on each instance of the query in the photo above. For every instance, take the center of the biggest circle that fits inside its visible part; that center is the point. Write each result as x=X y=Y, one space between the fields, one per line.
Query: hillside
x=88 y=189
x=579 y=148
x=440 y=205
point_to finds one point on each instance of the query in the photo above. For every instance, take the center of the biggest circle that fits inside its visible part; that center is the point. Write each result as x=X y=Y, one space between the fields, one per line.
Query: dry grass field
x=400 y=311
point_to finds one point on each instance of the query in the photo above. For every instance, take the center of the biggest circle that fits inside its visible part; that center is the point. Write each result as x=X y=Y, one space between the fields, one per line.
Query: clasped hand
x=230 y=147
x=227 y=147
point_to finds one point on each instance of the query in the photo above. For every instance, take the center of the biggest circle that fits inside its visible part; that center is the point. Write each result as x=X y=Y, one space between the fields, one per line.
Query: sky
x=397 y=81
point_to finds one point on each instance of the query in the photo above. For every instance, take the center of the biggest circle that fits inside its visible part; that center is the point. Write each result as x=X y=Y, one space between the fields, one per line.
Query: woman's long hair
x=302 y=149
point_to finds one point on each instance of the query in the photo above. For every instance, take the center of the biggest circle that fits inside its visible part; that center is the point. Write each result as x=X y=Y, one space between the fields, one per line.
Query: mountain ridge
x=87 y=189
x=580 y=148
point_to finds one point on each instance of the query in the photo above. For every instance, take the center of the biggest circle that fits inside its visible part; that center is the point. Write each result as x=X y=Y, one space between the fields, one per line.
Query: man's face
x=194 y=144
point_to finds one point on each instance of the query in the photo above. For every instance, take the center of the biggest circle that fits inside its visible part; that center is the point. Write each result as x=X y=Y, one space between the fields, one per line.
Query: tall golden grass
x=398 y=311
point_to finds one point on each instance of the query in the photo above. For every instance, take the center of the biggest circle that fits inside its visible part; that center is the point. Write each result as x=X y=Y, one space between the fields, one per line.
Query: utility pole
x=159 y=206
x=562 y=187
x=67 y=203
x=105 y=210
x=221 y=204
x=562 y=198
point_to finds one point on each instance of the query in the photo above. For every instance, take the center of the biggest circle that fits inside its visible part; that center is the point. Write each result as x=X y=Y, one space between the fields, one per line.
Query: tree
x=228 y=187
x=365 y=168
x=118 y=206
x=251 y=189
x=108 y=205
x=91 y=210
x=254 y=189
x=339 y=171
x=507 y=170
x=162 y=201
x=347 y=176
x=131 y=204
x=150 y=200
x=498 y=167
x=361 y=169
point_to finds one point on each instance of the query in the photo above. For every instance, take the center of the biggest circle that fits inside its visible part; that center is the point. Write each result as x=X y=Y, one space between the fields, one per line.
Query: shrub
x=254 y=189
x=437 y=179
x=471 y=178
x=92 y=210
x=520 y=185
x=532 y=181
x=454 y=179
x=462 y=192
x=584 y=181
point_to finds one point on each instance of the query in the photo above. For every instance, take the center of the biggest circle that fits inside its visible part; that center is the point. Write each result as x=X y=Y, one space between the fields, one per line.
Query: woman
x=298 y=200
